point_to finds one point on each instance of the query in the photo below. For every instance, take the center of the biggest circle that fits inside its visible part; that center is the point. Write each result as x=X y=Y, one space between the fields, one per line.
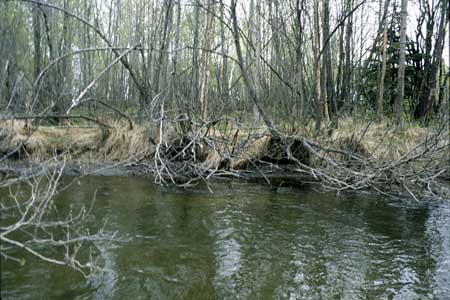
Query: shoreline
x=11 y=169
x=73 y=168
x=412 y=163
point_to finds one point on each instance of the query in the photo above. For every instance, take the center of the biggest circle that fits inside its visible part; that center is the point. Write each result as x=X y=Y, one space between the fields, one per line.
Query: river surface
x=247 y=241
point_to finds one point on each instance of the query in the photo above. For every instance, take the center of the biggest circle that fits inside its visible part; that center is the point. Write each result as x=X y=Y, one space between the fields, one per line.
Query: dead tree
x=42 y=226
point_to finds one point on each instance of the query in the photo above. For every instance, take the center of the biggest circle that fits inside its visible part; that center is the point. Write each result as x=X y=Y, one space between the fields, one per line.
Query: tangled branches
x=416 y=173
x=226 y=148
x=31 y=221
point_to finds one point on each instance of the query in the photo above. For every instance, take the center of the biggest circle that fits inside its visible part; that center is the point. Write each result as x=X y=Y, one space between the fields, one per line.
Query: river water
x=247 y=241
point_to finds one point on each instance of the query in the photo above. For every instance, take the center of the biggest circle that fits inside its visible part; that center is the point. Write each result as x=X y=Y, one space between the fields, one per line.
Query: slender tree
x=347 y=72
x=299 y=76
x=37 y=41
x=383 y=61
x=316 y=71
x=398 y=106
x=430 y=92
x=245 y=75
x=208 y=40
x=327 y=76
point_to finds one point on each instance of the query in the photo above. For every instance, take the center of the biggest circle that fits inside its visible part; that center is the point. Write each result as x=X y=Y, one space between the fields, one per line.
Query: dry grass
x=121 y=143
x=253 y=150
x=380 y=141
x=89 y=143
x=43 y=142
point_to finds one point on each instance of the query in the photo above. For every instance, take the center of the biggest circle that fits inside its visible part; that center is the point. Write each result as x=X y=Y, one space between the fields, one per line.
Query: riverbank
x=15 y=168
x=23 y=141
x=354 y=156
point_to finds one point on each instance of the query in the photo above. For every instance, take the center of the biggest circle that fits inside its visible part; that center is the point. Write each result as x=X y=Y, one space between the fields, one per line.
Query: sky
x=413 y=12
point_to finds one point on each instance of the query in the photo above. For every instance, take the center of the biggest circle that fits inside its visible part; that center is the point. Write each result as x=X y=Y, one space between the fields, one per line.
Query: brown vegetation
x=355 y=156
x=77 y=142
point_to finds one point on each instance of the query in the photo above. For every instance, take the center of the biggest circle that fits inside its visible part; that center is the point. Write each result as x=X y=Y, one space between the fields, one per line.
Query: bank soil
x=355 y=156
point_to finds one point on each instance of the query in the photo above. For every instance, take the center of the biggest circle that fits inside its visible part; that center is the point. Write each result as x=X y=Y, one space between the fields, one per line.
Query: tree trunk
x=244 y=72
x=161 y=68
x=224 y=48
x=299 y=59
x=316 y=70
x=347 y=74
x=254 y=34
x=209 y=38
x=194 y=77
x=37 y=46
x=340 y=74
x=398 y=105
x=327 y=75
x=430 y=16
x=427 y=105
x=177 y=39
x=383 y=62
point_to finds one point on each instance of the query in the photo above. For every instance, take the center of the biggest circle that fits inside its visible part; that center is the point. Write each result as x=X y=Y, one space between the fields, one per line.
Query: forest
x=341 y=95
x=283 y=63
x=194 y=89
x=347 y=93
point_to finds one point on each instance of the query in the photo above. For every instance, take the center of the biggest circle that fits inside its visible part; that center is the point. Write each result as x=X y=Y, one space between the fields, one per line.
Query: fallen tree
x=413 y=162
x=418 y=169
x=32 y=223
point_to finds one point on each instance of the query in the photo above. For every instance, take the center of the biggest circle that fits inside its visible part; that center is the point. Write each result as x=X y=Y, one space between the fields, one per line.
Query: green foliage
x=414 y=72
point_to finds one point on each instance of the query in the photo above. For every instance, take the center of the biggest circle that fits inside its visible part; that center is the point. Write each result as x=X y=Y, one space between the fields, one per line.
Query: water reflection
x=103 y=283
x=247 y=242
x=438 y=234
